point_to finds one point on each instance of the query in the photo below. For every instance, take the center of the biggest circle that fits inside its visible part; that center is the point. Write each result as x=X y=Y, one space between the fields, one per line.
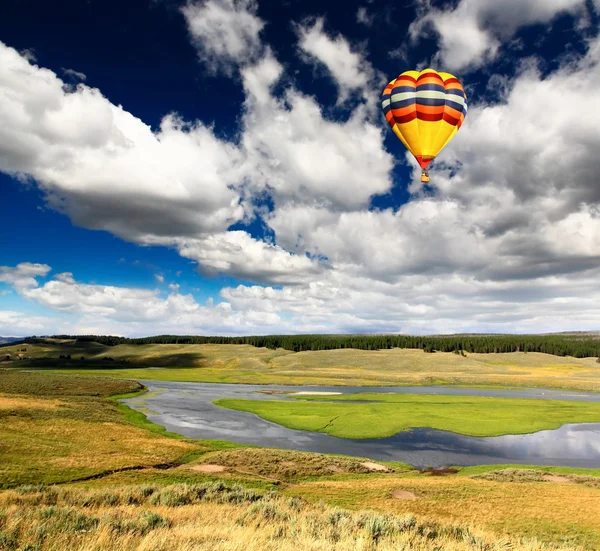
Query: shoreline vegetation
x=159 y=491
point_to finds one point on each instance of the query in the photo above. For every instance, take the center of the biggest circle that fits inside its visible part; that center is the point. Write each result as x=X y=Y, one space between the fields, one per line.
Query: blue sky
x=223 y=167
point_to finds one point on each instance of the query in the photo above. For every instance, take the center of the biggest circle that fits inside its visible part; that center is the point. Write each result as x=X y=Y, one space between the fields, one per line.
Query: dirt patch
x=403 y=494
x=375 y=466
x=439 y=472
x=287 y=463
x=556 y=478
x=208 y=468
x=308 y=393
x=335 y=469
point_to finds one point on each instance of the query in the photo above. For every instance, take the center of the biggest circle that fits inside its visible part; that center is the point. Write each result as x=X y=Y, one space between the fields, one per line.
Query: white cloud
x=350 y=69
x=516 y=194
x=303 y=157
x=225 y=32
x=113 y=172
x=472 y=32
x=23 y=275
x=504 y=239
x=126 y=310
x=160 y=278
x=237 y=254
x=427 y=304
x=364 y=17
x=19 y=324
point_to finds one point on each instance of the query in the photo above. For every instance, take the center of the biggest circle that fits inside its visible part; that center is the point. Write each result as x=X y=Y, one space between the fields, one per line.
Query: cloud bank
x=506 y=239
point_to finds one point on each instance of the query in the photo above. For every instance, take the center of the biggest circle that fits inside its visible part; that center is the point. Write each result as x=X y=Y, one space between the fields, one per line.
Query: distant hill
x=9 y=340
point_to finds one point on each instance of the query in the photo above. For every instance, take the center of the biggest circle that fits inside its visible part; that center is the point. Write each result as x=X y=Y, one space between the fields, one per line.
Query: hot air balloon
x=425 y=110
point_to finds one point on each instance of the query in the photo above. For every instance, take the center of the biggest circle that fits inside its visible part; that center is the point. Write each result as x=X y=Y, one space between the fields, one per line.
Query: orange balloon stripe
x=451 y=120
x=430 y=109
x=430 y=80
x=388 y=89
x=452 y=112
x=403 y=111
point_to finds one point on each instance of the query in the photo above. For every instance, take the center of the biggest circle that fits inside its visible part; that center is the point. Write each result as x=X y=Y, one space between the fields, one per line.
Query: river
x=187 y=409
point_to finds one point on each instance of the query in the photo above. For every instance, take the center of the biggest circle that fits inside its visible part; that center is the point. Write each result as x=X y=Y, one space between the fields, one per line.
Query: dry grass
x=551 y=511
x=215 y=517
x=69 y=430
x=531 y=475
x=284 y=465
x=247 y=364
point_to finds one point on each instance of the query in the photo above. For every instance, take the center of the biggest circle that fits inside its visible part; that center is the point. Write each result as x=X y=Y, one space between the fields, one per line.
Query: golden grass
x=283 y=465
x=55 y=439
x=553 y=511
x=247 y=364
x=8 y=402
x=218 y=518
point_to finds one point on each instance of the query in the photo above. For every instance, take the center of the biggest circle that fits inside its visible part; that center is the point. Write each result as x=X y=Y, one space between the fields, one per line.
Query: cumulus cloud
x=472 y=31
x=426 y=304
x=504 y=239
x=516 y=194
x=19 y=324
x=127 y=310
x=225 y=32
x=113 y=172
x=303 y=157
x=22 y=276
x=349 y=69
x=239 y=255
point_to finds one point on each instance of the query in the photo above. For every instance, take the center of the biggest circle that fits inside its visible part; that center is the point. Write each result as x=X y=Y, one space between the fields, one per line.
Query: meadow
x=384 y=415
x=80 y=471
x=231 y=363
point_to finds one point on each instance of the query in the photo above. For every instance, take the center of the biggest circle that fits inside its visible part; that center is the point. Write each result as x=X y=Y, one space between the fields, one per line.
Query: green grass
x=247 y=364
x=389 y=414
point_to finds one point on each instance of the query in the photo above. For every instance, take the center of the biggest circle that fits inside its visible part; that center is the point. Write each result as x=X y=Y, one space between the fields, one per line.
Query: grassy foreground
x=81 y=474
x=216 y=517
x=247 y=364
x=387 y=414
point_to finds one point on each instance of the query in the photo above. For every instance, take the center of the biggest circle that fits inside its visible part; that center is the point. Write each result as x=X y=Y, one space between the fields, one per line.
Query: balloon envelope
x=425 y=110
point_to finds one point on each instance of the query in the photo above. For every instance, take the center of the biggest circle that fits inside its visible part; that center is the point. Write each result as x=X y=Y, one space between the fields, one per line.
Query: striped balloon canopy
x=425 y=110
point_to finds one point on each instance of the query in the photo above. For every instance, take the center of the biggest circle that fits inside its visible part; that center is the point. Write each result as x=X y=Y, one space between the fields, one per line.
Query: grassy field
x=217 y=517
x=387 y=414
x=56 y=428
x=80 y=472
x=247 y=364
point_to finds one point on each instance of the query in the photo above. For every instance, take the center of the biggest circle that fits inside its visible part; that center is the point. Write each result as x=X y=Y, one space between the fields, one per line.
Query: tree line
x=558 y=345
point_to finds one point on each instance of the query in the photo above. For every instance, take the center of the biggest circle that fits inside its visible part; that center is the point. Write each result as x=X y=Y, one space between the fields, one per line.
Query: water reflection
x=187 y=409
